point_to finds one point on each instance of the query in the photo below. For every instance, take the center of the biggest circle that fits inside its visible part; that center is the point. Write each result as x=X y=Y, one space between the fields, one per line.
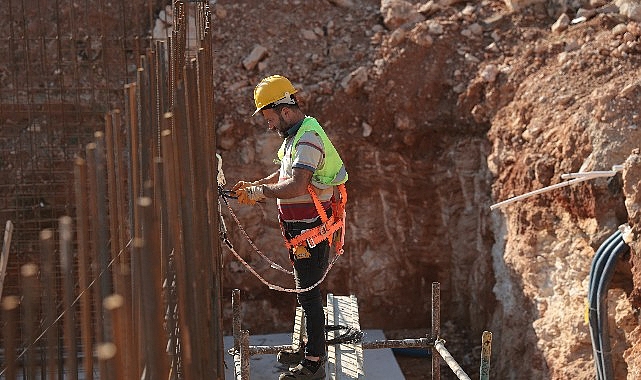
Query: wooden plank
x=345 y=361
x=4 y=258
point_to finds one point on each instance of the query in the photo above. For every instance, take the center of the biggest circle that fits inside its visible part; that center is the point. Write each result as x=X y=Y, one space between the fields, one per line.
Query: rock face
x=441 y=109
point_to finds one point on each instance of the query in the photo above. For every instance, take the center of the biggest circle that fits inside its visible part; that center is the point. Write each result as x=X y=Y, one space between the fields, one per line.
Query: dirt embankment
x=441 y=109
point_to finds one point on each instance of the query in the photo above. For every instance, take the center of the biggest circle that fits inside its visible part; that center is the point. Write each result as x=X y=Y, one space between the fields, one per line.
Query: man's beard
x=283 y=130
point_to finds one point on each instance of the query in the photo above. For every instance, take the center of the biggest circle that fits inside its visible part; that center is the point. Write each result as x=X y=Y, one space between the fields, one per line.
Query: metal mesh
x=63 y=66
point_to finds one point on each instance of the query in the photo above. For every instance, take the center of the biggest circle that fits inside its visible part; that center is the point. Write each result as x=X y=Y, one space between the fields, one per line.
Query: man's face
x=275 y=120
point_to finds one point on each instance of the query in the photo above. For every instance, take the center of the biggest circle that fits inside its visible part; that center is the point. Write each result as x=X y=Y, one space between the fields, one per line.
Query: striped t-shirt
x=309 y=155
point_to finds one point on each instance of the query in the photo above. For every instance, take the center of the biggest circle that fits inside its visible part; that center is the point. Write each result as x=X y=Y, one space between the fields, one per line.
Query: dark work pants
x=307 y=272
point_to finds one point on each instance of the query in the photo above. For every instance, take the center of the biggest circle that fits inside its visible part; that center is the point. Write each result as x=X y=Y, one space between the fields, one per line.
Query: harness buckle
x=310 y=242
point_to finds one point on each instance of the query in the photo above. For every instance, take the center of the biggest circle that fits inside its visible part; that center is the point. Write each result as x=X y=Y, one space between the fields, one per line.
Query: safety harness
x=329 y=228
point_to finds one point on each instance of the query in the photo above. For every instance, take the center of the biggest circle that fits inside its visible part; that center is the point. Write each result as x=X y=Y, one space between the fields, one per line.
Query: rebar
x=10 y=309
x=4 y=256
x=486 y=353
x=80 y=181
x=66 y=268
x=436 y=328
x=145 y=206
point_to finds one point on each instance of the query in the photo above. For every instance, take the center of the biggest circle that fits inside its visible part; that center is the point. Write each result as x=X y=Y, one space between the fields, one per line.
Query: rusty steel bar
x=80 y=183
x=376 y=344
x=48 y=278
x=94 y=265
x=135 y=190
x=4 y=258
x=237 y=318
x=199 y=183
x=115 y=154
x=105 y=353
x=29 y=273
x=244 y=354
x=66 y=268
x=174 y=210
x=155 y=339
x=486 y=353
x=10 y=311
x=190 y=240
x=115 y=243
x=102 y=226
x=439 y=345
x=172 y=238
x=145 y=102
x=436 y=328
x=114 y=305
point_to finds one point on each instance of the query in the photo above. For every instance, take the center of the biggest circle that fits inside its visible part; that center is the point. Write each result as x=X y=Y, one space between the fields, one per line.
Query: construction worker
x=307 y=157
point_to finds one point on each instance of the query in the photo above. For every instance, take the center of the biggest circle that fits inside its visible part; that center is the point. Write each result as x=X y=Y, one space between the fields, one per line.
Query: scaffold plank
x=345 y=361
x=299 y=328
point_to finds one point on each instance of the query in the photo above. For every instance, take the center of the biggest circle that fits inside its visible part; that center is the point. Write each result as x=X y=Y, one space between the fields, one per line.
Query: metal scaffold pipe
x=439 y=345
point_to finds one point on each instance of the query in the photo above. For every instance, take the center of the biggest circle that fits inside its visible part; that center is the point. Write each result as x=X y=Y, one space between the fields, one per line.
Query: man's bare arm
x=291 y=187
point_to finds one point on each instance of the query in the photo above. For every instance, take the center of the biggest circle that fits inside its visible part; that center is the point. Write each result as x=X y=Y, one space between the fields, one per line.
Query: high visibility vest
x=333 y=163
x=331 y=229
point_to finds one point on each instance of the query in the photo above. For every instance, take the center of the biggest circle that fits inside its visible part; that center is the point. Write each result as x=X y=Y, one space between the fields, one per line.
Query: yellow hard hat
x=274 y=89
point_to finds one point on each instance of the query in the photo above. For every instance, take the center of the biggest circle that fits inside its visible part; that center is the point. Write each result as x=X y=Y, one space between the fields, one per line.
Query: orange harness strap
x=330 y=226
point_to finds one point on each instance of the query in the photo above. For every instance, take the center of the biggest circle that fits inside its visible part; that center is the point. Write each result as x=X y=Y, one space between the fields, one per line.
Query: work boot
x=306 y=370
x=290 y=357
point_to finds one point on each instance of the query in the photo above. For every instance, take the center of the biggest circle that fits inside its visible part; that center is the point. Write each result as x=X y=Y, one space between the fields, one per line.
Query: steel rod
x=94 y=264
x=68 y=277
x=30 y=290
x=10 y=309
x=436 y=328
x=6 y=247
x=114 y=306
x=236 y=321
x=486 y=353
x=101 y=218
x=80 y=184
x=48 y=275
x=155 y=337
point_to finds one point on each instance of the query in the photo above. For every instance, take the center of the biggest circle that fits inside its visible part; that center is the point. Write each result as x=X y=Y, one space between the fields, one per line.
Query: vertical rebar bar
x=436 y=328
x=105 y=352
x=102 y=225
x=94 y=264
x=30 y=290
x=172 y=185
x=123 y=262
x=236 y=324
x=114 y=305
x=4 y=258
x=10 y=334
x=486 y=353
x=80 y=184
x=155 y=339
x=48 y=276
x=110 y=161
x=135 y=186
x=245 y=355
x=66 y=268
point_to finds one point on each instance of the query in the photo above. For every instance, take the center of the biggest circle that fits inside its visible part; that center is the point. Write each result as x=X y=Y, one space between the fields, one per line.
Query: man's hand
x=241 y=185
x=249 y=195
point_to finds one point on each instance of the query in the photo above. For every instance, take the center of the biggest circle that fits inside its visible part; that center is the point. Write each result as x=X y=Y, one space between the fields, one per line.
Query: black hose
x=601 y=272
x=602 y=308
x=596 y=269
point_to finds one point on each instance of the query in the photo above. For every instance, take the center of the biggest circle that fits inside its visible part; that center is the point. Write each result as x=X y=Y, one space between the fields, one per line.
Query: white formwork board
x=344 y=361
